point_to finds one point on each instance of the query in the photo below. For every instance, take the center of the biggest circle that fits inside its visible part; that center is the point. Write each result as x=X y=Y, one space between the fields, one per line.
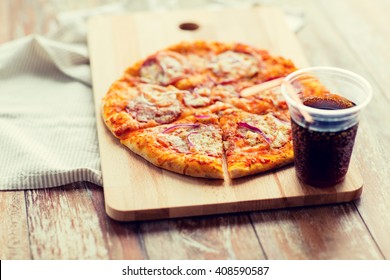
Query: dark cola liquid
x=322 y=158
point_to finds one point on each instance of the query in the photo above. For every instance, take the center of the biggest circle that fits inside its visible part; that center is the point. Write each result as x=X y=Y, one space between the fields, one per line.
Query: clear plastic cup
x=324 y=104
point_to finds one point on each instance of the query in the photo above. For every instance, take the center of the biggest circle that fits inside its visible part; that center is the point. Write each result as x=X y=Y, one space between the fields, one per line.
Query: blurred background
x=22 y=17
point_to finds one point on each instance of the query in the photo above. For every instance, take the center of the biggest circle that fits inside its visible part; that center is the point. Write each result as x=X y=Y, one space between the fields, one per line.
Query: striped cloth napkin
x=47 y=121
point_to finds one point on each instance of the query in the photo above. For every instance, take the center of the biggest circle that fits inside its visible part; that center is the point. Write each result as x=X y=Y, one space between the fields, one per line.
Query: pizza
x=255 y=142
x=204 y=109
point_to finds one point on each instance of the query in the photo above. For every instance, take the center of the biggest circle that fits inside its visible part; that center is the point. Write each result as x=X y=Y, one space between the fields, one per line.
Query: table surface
x=70 y=222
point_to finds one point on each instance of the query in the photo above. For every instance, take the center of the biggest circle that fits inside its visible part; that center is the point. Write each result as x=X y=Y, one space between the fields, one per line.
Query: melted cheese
x=252 y=137
x=209 y=141
x=280 y=139
x=277 y=132
x=197 y=62
x=164 y=69
x=196 y=100
x=275 y=96
x=174 y=141
x=171 y=66
x=160 y=96
x=201 y=140
x=234 y=65
x=224 y=91
x=154 y=103
x=204 y=91
x=151 y=73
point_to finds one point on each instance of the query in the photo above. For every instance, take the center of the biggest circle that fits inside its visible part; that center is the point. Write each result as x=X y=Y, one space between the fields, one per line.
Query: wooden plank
x=14 y=241
x=216 y=237
x=64 y=225
x=136 y=190
x=70 y=223
x=364 y=28
x=331 y=232
x=123 y=241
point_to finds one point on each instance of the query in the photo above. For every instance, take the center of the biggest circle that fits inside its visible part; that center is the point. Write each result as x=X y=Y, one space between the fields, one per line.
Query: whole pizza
x=196 y=108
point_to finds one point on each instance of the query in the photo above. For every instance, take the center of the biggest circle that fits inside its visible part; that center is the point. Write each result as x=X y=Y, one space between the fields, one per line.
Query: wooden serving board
x=135 y=189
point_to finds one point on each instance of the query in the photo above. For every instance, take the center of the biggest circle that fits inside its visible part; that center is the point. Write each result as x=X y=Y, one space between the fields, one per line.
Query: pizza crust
x=239 y=166
x=145 y=144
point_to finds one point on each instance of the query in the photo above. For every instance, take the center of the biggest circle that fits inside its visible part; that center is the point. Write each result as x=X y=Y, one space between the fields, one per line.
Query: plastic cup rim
x=325 y=112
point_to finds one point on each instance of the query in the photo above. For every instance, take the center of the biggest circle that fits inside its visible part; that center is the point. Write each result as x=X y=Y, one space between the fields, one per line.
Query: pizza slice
x=129 y=106
x=255 y=143
x=191 y=146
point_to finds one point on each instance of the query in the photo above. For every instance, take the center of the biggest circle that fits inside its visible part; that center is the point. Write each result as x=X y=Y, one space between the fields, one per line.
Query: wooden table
x=69 y=222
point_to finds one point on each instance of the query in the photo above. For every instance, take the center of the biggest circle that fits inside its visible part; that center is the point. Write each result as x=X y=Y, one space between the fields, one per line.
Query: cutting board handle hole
x=189 y=26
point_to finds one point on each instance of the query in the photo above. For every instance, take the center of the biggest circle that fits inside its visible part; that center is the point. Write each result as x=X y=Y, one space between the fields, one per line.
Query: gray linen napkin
x=47 y=120
x=47 y=124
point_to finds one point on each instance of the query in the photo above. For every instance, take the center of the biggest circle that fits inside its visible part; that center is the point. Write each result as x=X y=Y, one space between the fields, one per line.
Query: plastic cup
x=324 y=104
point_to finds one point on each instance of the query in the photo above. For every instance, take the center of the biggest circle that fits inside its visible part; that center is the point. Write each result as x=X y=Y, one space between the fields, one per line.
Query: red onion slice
x=189 y=140
x=180 y=125
x=253 y=128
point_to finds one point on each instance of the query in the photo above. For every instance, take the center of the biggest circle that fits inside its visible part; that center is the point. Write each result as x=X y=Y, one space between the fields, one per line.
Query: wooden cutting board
x=135 y=189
